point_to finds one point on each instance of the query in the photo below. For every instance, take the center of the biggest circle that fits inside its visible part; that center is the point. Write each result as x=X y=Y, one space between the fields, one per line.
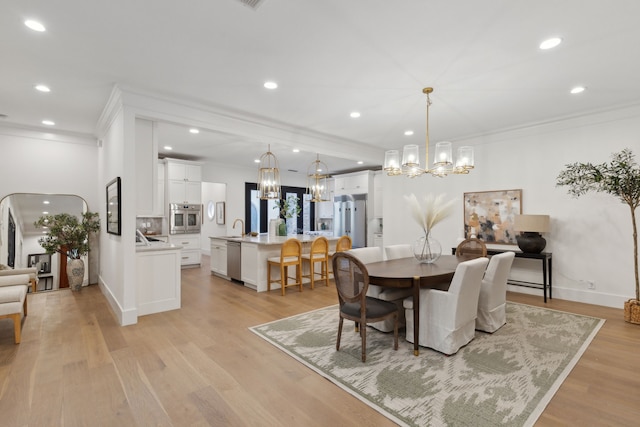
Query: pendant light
x=443 y=163
x=269 y=177
x=317 y=174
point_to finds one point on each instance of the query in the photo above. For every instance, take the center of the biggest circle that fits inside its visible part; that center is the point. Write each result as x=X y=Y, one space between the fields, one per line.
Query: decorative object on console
x=69 y=237
x=317 y=174
x=269 y=177
x=489 y=215
x=443 y=163
x=530 y=226
x=433 y=210
x=620 y=178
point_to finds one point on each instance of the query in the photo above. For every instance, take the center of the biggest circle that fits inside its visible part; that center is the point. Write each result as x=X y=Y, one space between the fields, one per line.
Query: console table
x=545 y=257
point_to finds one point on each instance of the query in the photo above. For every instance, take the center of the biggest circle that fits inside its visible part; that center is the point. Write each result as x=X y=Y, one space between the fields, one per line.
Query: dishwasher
x=234 y=270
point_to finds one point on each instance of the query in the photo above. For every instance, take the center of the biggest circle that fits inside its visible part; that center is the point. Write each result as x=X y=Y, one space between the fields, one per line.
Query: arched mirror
x=19 y=247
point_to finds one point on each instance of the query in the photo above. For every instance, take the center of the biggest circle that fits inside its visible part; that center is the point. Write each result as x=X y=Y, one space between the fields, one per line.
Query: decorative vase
x=282 y=228
x=75 y=273
x=426 y=249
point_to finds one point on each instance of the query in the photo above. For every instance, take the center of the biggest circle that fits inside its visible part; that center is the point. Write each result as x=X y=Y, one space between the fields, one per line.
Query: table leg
x=550 y=279
x=544 y=278
x=416 y=314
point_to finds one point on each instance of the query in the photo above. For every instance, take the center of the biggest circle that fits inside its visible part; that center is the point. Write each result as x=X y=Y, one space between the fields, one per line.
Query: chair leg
x=339 y=334
x=299 y=275
x=395 y=332
x=17 y=327
x=325 y=272
x=24 y=306
x=311 y=272
x=363 y=334
x=283 y=278
x=268 y=277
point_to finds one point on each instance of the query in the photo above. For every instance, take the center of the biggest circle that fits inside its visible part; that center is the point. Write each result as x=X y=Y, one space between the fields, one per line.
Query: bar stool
x=290 y=255
x=319 y=253
x=343 y=244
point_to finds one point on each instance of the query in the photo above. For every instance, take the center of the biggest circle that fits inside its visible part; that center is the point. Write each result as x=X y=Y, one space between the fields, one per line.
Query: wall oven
x=184 y=218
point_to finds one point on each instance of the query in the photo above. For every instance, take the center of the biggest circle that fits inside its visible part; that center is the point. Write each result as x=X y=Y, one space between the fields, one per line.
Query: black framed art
x=114 y=211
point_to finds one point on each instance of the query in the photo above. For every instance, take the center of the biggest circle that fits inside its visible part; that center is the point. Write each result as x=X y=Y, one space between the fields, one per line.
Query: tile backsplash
x=149 y=225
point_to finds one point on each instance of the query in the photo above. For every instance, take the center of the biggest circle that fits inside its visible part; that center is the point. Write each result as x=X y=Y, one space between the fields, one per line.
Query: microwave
x=184 y=218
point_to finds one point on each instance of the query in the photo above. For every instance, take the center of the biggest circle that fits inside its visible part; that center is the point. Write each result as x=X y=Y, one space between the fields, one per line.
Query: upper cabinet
x=183 y=181
x=353 y=183
x=146 y=152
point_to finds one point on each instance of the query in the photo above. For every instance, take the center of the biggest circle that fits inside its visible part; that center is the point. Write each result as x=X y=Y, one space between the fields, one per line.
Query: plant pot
x=75 y=273
x=632 y=311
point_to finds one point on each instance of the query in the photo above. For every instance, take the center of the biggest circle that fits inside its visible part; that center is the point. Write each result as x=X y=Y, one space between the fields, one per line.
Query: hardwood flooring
x=201 y=366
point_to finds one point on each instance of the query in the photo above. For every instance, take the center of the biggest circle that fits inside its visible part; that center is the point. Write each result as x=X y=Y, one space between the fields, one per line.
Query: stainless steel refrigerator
x=350 y=218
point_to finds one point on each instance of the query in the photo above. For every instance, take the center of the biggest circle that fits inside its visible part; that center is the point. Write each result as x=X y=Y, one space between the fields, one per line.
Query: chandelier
x=443 y=163
x=269 y=177
x=317 y=174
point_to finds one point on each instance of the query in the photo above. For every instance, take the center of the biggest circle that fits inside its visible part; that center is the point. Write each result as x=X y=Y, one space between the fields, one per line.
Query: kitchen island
x=256 y=250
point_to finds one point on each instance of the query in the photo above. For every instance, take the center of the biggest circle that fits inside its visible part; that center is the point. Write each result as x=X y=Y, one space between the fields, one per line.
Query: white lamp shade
x=464 y=159
x=443 y=154
x=531 y=223
x=392 y=162
x=410 y=156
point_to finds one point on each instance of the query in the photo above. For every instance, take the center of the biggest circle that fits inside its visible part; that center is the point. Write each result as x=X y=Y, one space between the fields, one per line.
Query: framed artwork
x=490 y=215
x=219 y=212
x=114 y=211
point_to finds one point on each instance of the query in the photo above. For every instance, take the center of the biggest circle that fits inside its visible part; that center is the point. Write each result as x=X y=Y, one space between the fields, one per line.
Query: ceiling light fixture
x=168 y=147
x=271 y=85
x=317 y=174
x=578 y=89
x=34 y=25
x=269 y=177
x=42 y=88
x=443 y=163
x=408 y=132
x=354 y=115
x=194 y=130
x=48 y=122
x=550 y=43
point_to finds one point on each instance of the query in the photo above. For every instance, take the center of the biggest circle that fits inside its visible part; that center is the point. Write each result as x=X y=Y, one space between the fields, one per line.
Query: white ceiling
x=329 y=57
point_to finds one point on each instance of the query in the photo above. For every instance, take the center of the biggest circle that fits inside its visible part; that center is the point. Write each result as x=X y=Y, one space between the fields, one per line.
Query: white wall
x=213 y=192
x=590 y=237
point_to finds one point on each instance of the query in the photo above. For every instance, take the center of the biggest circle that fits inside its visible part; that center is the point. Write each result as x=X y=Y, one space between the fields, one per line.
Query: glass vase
x=426 y=249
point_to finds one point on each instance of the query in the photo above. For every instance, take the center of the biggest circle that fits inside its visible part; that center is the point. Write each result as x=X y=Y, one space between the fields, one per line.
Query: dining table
x=410 y=273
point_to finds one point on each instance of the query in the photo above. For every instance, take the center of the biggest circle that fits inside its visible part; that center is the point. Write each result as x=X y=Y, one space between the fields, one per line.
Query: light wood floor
x=201 y=366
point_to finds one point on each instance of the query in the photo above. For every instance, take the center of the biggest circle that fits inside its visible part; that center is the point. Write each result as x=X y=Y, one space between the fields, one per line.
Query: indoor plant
x=69 y=237
x=289 y=208
x=427 y=214
x=620 y=178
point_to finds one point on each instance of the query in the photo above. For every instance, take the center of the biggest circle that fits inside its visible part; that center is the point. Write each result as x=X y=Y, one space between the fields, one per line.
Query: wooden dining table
x=409 y=273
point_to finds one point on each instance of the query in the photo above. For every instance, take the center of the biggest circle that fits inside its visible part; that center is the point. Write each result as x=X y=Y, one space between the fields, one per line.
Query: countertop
x=265 y=239
x=156 y=246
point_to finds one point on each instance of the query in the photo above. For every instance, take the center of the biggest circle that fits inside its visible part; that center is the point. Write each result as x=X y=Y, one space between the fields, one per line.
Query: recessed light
x=296 y=150
x=271 y=85
x=45 y=213
x=194 y=130
x=360 y=162
x=578 y=89
x=550 y=43
x=256 y=161
x=168 y=147
x=45 y=202
x=34 y=25
x=48 y=122
x=42 y=88
x=354 y=114
x=408 y=132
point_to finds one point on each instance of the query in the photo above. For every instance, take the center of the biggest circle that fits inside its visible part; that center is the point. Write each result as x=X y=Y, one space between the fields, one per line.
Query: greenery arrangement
x=620 y=178
x=289 y=207
x=67 y=235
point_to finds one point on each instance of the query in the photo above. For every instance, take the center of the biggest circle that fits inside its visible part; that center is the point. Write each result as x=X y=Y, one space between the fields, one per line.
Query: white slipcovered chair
x=398 y=251
x=493 y=293
x=394 y=295
x=448 y=318
x=13 y=300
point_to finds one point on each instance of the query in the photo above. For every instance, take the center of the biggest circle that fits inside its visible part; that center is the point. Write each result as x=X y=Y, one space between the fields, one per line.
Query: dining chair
x=394 y=295
x=398 y=251
x=290 y=256
x=493 y=293
x=319 y=253
x=448 y=318
x=472 y=246
x=352 y=282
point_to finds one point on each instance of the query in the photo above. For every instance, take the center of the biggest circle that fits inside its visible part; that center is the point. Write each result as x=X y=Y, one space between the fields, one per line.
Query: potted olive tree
x=69 y=236
x=620 y=178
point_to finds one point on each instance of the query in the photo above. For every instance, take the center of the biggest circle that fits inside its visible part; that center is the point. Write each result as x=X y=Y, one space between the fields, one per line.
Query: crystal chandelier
x=317 y=174
x=443 y=163
x=269 y=177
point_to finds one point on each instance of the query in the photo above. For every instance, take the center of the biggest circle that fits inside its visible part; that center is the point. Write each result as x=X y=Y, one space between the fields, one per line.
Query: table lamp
x=530 y=226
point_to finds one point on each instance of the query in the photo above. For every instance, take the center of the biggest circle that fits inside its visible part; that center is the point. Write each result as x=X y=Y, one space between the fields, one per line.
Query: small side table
x=48 y=282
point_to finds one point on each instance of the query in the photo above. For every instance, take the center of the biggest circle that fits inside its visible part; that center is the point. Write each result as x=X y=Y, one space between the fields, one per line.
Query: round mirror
x=211 y=210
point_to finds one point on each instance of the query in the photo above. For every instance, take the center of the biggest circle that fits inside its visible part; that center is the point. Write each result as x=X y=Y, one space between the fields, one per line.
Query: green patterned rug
x=503 y=379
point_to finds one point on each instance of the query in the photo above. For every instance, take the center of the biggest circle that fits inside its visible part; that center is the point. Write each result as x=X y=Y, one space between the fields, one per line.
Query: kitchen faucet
x=234 y=226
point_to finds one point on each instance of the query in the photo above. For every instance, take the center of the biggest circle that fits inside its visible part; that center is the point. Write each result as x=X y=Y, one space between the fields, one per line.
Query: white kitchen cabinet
x=159 y=207
x=183 y=181
x=219 y=257
x=355 y=183
x=146 y=153
x=158 y=280
x=191 y=254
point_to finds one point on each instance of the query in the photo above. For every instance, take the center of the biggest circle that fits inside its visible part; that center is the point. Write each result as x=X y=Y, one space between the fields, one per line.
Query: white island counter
x=158 y=277
x=256 y=250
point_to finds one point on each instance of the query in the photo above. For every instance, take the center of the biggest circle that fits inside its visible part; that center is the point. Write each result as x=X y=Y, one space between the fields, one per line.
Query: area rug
x=500 y=379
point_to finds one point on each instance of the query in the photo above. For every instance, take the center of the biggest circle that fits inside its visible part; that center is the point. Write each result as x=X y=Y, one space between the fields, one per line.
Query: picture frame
x=489 y=215
x=220 y=213
x=114 y=209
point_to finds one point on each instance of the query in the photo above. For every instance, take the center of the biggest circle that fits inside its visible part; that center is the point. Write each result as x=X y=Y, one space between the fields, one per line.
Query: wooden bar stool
x=343 y=244
x=290 y=255
x=319 y=253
